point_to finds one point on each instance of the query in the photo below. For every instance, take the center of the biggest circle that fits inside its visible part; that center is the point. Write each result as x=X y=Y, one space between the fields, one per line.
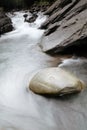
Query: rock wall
x=5 y=23
x=66 y=27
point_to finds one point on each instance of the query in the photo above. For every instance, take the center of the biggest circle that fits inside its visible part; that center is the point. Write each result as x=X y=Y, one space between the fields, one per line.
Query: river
x=20 y=58
x=21 y=109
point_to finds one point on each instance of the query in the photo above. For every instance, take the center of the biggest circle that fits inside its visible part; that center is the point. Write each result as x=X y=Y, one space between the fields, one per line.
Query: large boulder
x=5 y=23
x=55 y=81
x=66 y=27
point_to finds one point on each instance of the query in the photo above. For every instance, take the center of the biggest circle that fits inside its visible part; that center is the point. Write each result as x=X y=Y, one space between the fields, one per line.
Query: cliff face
x=66 y=27
x=5 y=23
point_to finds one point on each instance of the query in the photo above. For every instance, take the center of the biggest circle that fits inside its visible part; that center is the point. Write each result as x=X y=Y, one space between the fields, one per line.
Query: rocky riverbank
x=5 y=23
x=65 y=33
x=66 y=27
x=34 y=9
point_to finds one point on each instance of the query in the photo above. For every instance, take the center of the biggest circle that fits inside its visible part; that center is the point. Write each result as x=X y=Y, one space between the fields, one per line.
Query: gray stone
x=71 y=35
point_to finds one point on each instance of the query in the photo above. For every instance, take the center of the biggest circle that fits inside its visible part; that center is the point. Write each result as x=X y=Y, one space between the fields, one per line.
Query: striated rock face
x=5 y=23
x=66 y=27
x=55 y=81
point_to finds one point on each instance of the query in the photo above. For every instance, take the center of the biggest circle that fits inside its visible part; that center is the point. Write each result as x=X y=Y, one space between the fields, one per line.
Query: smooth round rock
x=55 y=81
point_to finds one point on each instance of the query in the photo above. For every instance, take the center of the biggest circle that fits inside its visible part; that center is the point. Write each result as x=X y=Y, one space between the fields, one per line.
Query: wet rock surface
x=32 y=18
x=5 y=23
x=57 y=81
x=66 y=27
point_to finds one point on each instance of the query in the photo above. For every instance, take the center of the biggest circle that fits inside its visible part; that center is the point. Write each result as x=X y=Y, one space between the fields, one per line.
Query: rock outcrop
x=66 y=27
x=57 y=81
x=5 y=23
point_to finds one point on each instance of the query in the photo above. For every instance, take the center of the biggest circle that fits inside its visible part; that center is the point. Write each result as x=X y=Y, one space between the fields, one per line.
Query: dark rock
x=51 y=29
x=33 y=18
x=25 y=16
x=71 y=35
x=6 y=28
x=5 y=23
x=39 y=7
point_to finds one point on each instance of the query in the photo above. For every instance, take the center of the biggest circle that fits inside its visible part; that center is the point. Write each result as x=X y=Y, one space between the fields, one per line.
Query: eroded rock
x=55 y=81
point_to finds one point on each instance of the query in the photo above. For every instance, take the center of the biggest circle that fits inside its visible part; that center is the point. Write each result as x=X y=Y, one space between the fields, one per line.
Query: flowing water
x=21 y=109
x=20 y=58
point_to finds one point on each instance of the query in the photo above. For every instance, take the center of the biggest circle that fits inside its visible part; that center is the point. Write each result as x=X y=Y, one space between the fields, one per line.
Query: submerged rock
x=25 y=17
x=55 y=81
x=5 y=23
x=32 y=18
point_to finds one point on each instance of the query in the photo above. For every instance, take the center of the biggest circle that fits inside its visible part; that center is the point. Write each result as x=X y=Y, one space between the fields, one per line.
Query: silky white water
x=20 y=58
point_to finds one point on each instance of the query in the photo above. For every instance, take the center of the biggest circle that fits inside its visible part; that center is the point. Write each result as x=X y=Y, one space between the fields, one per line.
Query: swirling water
x=20 y=58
